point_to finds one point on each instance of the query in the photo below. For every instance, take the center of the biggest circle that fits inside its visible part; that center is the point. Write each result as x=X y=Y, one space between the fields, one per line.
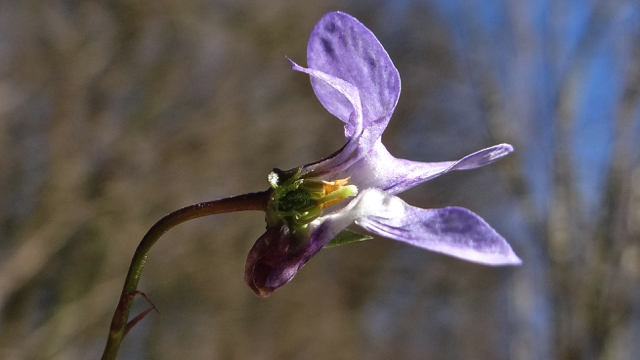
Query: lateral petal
x=379 y=169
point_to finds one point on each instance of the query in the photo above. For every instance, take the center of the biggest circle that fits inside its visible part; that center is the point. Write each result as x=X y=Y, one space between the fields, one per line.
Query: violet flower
x=354 y=78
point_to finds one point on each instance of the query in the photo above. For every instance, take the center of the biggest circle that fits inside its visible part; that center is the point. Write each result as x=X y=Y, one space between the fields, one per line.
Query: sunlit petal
x=452 y=231
x=381 y=170
x=343 y=47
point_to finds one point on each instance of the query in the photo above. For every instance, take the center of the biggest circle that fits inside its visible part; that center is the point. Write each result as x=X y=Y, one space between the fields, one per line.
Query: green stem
x=253 y=201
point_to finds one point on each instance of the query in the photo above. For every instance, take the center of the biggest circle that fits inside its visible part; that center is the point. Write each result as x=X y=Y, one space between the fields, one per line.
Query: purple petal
x=265 y=254
x=379 y=169
x=354 y=126
x=321 y=234
x=275 y=258
x=452 y=230
x=361 y=140
x=343 y=47
x=348 y=93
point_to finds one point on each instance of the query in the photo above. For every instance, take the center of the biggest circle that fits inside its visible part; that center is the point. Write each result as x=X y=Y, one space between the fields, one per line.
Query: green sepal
x=346 y=237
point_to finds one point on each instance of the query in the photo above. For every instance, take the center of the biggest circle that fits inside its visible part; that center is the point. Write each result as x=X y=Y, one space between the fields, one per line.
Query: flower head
x=310 y=206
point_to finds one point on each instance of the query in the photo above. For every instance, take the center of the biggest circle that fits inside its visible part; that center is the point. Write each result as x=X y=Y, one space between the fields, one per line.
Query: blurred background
x=114 y=113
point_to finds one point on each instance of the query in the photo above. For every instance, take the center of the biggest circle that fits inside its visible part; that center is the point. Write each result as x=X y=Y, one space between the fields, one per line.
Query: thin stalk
x=253 y=201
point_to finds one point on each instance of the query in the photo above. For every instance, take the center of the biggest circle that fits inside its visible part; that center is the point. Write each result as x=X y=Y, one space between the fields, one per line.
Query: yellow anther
x=331 y=186
x=336 y=191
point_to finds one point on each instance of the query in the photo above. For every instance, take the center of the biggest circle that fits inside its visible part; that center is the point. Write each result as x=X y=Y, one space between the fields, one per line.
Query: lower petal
x=452 y=231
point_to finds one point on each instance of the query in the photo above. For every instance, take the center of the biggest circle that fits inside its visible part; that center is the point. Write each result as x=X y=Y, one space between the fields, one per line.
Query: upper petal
x=353 y=126
x=452 y=230
x=343 y=47
x=360 y=139
x=349 y=93
x=379 y=169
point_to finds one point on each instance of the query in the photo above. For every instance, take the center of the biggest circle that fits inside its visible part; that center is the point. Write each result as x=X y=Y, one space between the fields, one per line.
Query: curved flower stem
x=253 y=201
